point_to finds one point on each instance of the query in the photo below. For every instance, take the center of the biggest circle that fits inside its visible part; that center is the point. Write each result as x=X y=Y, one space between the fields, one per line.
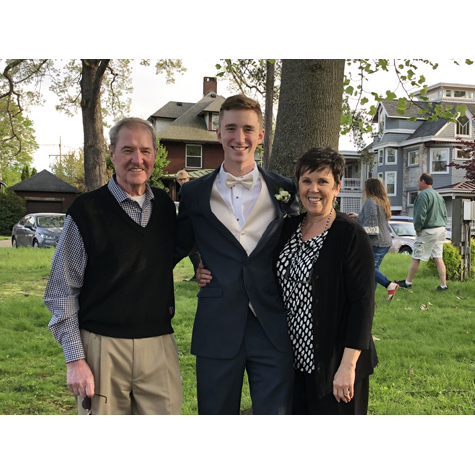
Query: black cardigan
x=343 y=298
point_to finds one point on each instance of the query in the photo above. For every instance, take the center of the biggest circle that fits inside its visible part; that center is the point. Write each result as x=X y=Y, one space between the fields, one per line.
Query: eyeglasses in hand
x=87 y=401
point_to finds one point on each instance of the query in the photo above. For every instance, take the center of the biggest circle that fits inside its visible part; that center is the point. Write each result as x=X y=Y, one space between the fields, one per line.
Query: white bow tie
x=246 y=181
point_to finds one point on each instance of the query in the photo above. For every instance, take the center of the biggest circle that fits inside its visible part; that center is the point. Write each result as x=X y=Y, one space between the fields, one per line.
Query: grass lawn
x=424 y=339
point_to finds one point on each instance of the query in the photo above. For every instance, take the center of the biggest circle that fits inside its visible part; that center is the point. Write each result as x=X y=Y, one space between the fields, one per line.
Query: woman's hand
x=344 y=379
x=203 y=276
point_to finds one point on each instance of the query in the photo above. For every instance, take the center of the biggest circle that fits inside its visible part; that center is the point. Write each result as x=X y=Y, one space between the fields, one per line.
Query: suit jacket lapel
x=274 y=224
x=272 y=186
x=205 y=206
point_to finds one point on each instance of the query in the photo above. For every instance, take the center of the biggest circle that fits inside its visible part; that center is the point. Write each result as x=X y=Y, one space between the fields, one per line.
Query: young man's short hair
x=241 y=102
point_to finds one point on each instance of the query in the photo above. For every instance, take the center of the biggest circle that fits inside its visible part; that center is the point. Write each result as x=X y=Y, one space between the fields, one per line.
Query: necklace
x=326 y=224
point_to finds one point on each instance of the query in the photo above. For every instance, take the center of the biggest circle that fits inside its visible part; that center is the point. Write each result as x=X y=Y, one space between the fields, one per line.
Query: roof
x=44 y=181
x=462 y=187
x=172 y=110
x=427 y=128
x=416 y=108
x=413 y=109
x=191 y=126
x=451 y=85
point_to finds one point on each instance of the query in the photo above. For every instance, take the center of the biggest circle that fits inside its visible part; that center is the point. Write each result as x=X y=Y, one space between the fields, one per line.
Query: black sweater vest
x=128 y=281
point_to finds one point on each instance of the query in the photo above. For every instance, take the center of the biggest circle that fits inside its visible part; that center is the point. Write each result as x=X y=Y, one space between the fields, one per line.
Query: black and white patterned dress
x=294 y=270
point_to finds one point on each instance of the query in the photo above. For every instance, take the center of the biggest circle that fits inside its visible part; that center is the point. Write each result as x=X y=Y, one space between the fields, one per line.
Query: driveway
x=6 y=243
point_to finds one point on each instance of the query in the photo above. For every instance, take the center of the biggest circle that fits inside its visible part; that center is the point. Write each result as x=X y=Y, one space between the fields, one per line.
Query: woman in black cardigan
x=325 y=266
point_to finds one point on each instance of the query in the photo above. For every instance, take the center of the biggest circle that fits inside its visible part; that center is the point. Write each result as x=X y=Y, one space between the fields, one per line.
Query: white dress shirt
x=239 y=199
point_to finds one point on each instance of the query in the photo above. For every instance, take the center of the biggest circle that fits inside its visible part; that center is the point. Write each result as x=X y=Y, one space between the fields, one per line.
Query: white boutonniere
x=283 y=196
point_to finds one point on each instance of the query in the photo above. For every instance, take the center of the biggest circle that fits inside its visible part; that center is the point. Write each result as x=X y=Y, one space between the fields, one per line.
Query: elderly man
x=111 y=287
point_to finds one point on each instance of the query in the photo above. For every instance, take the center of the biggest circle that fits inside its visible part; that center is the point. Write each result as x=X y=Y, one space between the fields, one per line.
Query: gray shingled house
x=45 y=193
x=410 y=144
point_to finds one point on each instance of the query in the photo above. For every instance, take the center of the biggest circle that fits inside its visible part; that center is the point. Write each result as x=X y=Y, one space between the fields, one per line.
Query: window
x=214 y=121
x=413 y=158
x=391 y=183
x=193 y=156
x=462 y=154
x=390 y=156
x=411 y=197
x=439 y=159
x=381 y=125
x=464 y=94
x=463 y=125
x=380 y=156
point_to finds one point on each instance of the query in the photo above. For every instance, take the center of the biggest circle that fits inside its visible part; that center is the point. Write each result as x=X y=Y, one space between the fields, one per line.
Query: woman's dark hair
x=318 y=158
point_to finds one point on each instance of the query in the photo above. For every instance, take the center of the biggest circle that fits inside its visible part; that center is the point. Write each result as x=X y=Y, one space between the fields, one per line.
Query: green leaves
x=402 y=105
x=461 y=109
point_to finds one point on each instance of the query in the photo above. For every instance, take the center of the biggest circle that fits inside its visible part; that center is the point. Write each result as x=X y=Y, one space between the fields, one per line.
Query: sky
x=152 y=92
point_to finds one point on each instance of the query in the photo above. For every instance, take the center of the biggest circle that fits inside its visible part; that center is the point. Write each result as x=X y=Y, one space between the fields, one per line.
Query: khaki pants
x=140 y=376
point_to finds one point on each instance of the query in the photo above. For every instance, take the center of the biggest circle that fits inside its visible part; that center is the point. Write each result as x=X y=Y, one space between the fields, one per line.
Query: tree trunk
x=309 y=110
x=268 y=114
x=95 y=173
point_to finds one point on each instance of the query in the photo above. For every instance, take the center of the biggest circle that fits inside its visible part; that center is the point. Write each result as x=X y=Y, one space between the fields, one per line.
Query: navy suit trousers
x=270 y=374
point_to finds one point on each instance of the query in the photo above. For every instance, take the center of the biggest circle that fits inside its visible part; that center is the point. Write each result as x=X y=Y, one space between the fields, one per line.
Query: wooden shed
x=46 y=193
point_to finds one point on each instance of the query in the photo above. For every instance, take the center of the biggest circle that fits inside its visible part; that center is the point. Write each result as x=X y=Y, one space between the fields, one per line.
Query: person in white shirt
x=234 y=216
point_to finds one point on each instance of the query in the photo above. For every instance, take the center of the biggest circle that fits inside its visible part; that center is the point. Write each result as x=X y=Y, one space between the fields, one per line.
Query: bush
x=453 y=261
x=12 y=209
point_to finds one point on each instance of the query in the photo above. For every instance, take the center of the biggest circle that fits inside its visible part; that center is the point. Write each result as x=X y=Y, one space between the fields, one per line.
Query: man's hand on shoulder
x=80 y=378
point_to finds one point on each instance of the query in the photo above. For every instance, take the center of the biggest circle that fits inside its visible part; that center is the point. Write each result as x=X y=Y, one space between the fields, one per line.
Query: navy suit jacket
x=223 y=304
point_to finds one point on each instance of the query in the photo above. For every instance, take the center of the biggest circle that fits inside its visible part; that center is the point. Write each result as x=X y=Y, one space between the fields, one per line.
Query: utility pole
x=60 y=153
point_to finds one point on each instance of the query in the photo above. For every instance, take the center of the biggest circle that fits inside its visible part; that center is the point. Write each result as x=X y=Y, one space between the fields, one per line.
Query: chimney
x=210 y=85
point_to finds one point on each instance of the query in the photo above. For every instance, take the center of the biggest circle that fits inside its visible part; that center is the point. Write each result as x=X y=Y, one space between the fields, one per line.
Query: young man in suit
x=234 y=216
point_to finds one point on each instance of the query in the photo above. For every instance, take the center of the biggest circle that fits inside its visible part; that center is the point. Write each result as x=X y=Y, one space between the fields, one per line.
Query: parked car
x=38 y=230
x=402 y=218
x=403 y=235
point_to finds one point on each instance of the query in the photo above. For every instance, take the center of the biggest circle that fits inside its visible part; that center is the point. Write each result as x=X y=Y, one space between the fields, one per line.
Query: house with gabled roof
x=45 y=193
x=188 y=132
x=409 y=144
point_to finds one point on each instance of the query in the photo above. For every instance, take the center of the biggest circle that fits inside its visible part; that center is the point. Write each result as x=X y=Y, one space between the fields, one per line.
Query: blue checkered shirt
x=67 y=273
